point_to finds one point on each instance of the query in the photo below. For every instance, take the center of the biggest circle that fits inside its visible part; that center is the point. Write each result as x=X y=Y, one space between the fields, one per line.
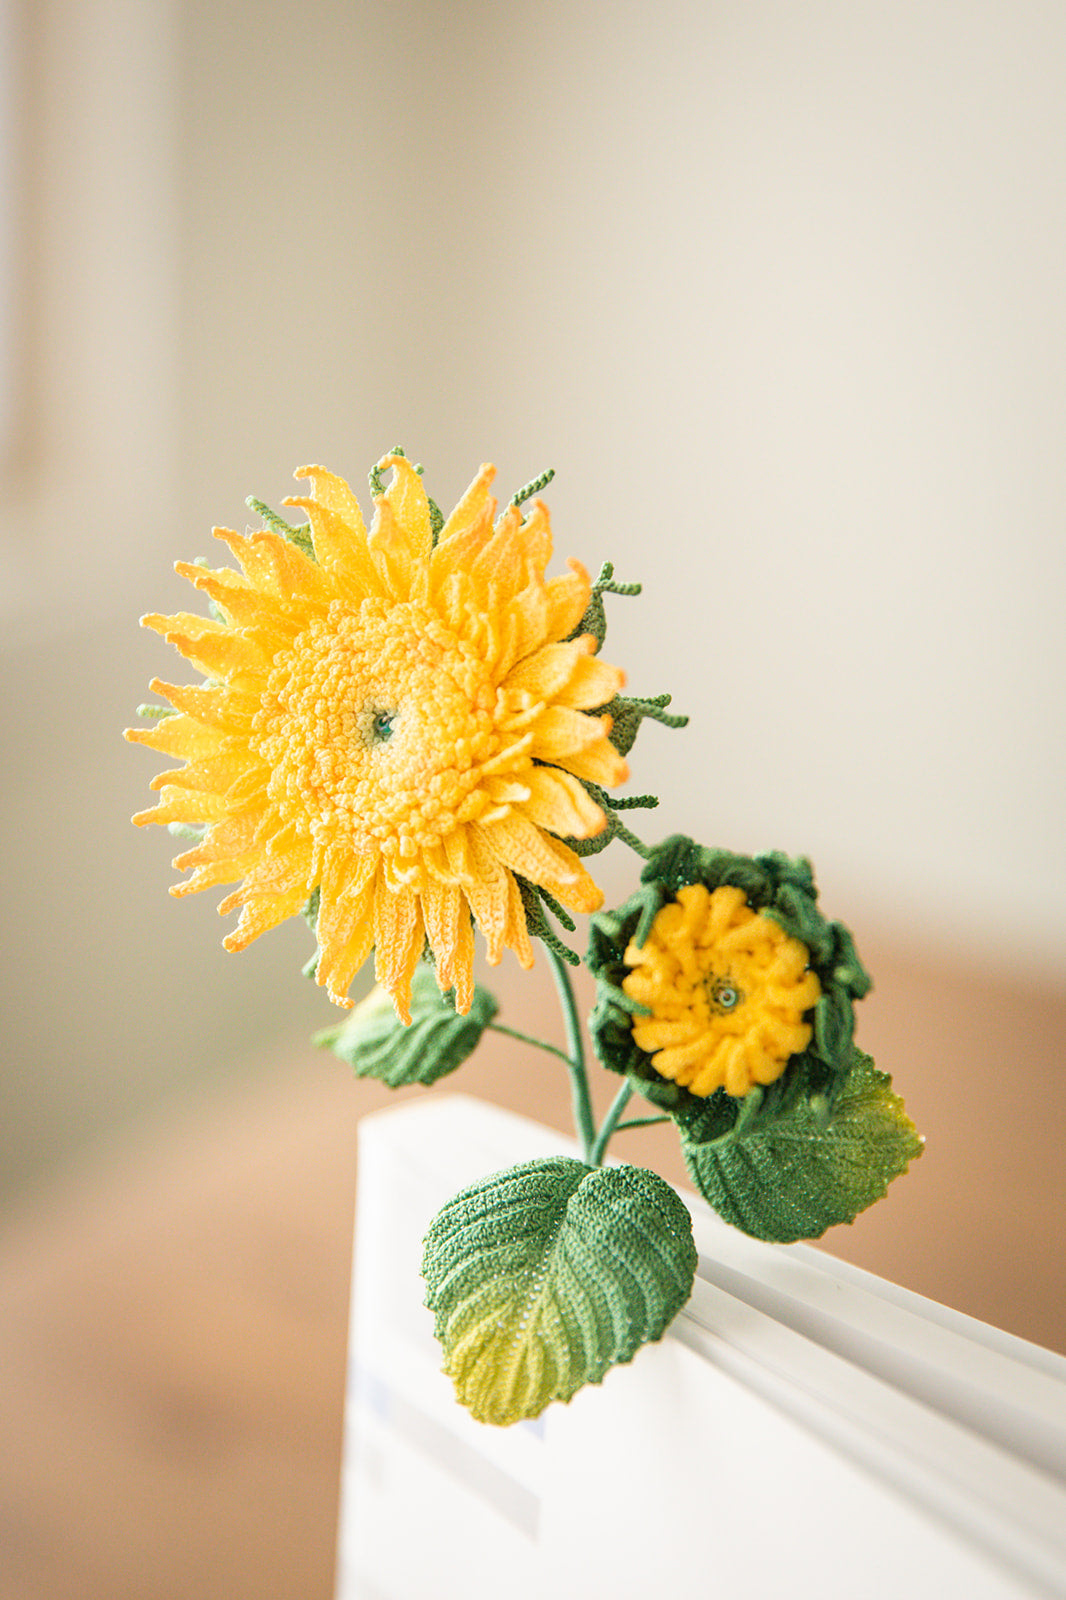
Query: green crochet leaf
x=545 y=1276
x=794 y=1175
x=376 y=1044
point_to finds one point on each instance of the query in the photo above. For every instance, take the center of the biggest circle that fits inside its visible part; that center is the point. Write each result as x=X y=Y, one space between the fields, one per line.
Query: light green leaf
x=374 y=1041
x=545 y=1276
x=793 y=1176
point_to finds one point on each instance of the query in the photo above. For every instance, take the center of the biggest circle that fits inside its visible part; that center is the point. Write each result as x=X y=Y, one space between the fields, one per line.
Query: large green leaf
x=374 y=1041
x=545 y=1276
x=794 y=1175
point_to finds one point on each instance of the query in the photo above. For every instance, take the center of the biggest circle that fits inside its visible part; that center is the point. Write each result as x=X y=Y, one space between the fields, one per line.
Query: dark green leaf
x=795 y=1175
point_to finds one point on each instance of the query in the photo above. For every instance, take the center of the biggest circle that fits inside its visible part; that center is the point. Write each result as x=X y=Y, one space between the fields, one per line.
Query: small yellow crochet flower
x=402 y=722
x=727 y=989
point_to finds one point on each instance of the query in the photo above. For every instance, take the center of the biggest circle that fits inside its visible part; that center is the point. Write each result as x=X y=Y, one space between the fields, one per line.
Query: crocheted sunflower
x=403 y=723
x=720 y=974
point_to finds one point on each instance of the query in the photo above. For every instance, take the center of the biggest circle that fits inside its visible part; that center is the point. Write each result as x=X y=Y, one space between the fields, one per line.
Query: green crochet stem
x=584 y=1121
x=594 y=1141
x=610 y=1123
x=529 y=1038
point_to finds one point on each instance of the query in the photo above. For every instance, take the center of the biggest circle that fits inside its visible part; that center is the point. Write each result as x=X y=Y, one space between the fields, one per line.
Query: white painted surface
x=806 y=1430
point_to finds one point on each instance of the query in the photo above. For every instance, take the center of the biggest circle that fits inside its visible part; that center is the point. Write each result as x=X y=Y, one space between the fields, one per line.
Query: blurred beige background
x=778 y=290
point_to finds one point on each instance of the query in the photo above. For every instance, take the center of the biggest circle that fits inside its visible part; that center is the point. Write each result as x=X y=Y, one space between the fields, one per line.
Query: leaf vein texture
x=544 y=1277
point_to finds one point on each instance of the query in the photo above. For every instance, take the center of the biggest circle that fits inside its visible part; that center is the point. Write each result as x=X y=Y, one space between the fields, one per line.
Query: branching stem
x=529 y=1038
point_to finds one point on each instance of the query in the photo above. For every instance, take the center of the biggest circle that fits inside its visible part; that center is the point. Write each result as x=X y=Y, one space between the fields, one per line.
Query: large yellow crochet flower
x=726 y=989
x=402 y=723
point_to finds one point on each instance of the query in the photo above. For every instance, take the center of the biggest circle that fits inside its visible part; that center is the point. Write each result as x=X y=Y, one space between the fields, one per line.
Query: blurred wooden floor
x=173 y=1324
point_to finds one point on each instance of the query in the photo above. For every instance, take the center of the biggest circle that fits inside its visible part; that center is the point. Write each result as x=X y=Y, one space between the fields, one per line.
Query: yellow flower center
x=378 y=725
x=727 y=989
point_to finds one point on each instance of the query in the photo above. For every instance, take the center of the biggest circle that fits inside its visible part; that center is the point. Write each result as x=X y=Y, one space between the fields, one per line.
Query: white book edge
x=962 y=1419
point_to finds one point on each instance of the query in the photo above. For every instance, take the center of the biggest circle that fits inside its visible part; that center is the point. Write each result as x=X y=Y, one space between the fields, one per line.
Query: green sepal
x=534 y=899
x=545 y=1276
x=594 y=620
x=788 y=1166
x=310 y=910
x=310 y=916
x=627 y=714
x=376 y=1044
x=186 y=830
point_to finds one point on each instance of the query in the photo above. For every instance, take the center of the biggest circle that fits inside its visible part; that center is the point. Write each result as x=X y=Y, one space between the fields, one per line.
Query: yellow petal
x=559 y=732
x=400 y=539
x=186 y=623
x=212 y=873
x=395 y=563
x=345 y=924
x=182 y=805
x=599 y=763
x=222 y=578
x=467 y=531
x=244 y=606
x=232 y=836
x=528 y=850
x=593 y=684
x=518 y=938
x=181 y=737
x=281 y=875
x=508 y=791
x=214 y=706
x=262 y=913
x=568 y=597
x=255 y=562
x=218 y=651
x=516 y=555
x=341 y=550
x=407 y=499
x=345 y=885
x=527 y=626
x=338 y=967
x=451 y=939
x=559 y=802
x=295 y=575
x=544 y=674
x=212 y=775
x=470 y=512
x=334 y=495
x=484 y=883
x=398 y=936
